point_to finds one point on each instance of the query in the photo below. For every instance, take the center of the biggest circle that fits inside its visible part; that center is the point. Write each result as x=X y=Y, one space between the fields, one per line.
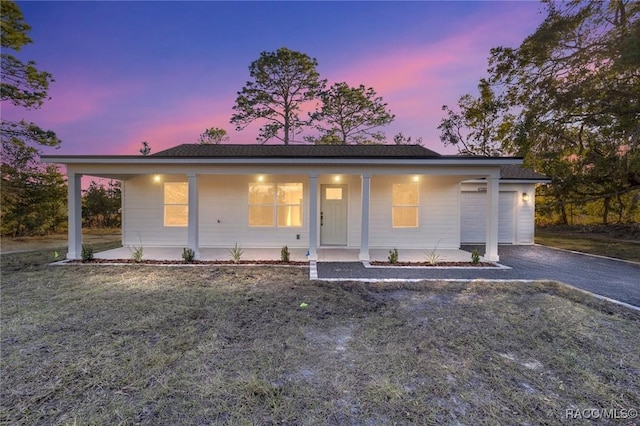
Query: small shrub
x=475 y=256
x=285 y=254
x=432 y=257
x=87 y=253
x=393 y=255
x=236 y=253
x=189 y=255
x=136 y=253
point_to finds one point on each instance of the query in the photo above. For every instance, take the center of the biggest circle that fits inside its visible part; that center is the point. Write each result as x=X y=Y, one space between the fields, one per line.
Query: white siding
x=224 y=221
x=438 y=223
x=223 y=214
x=143 y=215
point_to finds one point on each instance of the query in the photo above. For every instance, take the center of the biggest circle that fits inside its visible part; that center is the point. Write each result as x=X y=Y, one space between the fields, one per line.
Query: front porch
x=325 y=254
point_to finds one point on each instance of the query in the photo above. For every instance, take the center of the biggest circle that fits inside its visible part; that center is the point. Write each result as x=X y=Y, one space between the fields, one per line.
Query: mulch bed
x=195 y=262
x=439 y=264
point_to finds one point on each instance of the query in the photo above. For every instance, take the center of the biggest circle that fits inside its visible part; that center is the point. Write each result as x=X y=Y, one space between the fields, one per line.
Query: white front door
x=333 y=215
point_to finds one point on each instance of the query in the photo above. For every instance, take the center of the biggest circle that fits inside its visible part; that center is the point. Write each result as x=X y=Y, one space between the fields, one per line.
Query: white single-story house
x=311 y=196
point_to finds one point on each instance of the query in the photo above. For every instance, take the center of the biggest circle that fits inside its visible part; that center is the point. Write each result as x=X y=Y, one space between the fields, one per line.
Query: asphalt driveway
x=610 y=278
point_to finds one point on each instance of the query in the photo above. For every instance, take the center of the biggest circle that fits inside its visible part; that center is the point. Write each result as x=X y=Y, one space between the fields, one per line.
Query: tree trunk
x=605 y=212
x=563 y=214
x=286 y=132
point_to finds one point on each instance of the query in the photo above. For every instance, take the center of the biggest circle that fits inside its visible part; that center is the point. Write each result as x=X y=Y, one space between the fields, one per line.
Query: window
x=269 y=201
x=405 y=205
x=261 y=196
x=333 y=194
x=176 y=203
x=289 y=204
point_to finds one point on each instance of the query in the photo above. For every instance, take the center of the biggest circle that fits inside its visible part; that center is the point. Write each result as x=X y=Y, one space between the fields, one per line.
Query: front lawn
x=105 y=344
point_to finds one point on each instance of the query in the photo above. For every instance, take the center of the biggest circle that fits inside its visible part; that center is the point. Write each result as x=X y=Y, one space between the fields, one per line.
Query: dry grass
x=620 y=241
x=228 y=345
x=59 y=241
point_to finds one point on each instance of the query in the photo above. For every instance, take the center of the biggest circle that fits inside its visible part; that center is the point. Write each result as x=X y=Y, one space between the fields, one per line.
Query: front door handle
x=321 y=218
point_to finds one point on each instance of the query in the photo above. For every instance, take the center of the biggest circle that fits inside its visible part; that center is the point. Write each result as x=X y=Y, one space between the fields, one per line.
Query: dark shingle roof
x=298 y=151
x=517 y=172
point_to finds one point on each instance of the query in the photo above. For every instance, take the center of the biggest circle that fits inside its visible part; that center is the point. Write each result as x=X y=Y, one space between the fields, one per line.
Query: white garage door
x=473 y=217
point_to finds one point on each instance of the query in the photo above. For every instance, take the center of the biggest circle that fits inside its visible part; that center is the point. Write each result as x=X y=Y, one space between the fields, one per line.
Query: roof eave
x=134 y=159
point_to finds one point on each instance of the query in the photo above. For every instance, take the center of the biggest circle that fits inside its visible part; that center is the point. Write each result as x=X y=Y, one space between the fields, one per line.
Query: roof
x=517 y=172
x=297 y=151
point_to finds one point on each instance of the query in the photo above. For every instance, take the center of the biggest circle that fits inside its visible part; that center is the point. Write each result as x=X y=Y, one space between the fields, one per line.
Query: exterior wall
x=143 y=215
x=438 y=214
x=524 y=213
x=223 y=213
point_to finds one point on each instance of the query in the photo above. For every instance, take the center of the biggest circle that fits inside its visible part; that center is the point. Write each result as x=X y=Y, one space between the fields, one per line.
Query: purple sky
x=164 y=71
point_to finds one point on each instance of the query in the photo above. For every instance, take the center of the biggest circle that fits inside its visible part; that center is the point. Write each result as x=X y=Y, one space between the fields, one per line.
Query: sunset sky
x=164 y=71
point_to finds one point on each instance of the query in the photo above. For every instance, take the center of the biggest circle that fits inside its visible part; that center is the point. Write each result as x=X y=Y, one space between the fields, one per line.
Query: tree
x=481 y=126
x=575 y=83
x=352 y=114
x=214 y=135
x=400 y=139
x=146 y=149
x=101 y=205
x=282 y=82
x=570 y=89
x=32 y=195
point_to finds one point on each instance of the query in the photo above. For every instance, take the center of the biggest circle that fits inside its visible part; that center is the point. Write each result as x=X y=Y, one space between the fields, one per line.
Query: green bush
x=475 y=256
x=285 y=254
x=393 y=255
x=189 y=255
x=87 y=253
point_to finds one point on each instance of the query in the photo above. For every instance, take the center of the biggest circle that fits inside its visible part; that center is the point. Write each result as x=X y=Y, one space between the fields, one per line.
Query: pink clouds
x=419 y=77
x=182 y=124
x=70 y=101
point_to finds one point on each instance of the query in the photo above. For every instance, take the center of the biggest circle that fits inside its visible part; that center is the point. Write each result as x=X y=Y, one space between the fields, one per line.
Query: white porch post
x=313 y=216
x=491 y=249
x=74 y=187
x=192 y=229
x=364 y=226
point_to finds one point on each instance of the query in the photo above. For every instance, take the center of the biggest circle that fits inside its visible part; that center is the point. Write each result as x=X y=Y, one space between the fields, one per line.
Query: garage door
x=473 y=217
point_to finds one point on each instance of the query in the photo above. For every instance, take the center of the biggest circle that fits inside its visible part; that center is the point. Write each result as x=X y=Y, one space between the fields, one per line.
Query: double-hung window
x=404 y=209
x=275 y=204
x=176 y=203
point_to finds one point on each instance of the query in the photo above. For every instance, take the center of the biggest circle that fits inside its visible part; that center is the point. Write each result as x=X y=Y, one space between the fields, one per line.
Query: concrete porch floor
x=325 y=254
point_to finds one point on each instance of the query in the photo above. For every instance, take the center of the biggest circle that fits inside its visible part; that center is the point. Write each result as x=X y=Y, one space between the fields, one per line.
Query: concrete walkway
x=606 y=277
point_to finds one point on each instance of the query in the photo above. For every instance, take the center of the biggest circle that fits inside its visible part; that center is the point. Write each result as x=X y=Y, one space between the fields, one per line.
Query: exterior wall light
x=260 y=178
x=336 y=178
x=156 y=178
x=525 y=197
x=416 y=178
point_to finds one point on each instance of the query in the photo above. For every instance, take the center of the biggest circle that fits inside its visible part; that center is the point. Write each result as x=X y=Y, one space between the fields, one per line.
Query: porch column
x=313 y=216
x=364 y=226
x=491 y=249
x=74 y=188
x=192 y=229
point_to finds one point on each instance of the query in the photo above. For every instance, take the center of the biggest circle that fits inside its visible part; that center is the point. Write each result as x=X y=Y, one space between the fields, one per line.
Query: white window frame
x=165 y=204
x=274 y=204
x=416 y=206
